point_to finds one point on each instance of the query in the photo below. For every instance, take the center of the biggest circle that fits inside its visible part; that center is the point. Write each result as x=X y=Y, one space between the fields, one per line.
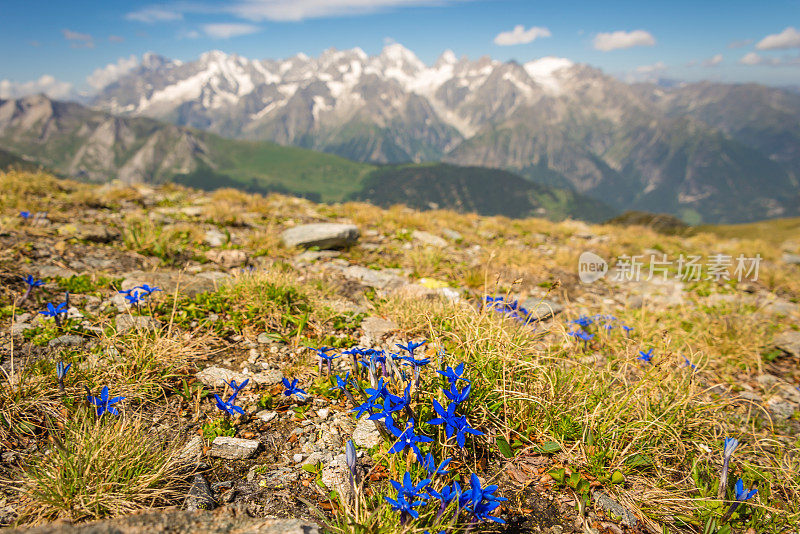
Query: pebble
x=233 y=448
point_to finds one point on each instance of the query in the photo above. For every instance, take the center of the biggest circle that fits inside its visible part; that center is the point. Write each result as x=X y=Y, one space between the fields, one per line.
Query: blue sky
x=733 y=41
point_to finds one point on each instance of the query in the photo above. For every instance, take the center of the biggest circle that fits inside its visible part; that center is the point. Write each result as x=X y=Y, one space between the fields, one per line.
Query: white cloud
x=112 y=72
x=226 y=31
x=519 y=35
x=713 y=61
x=754 y=59
x=295 y=10
x=46 y=84
x=622 y=39
x=78 y=40
x=788 y=38
x=153 y=14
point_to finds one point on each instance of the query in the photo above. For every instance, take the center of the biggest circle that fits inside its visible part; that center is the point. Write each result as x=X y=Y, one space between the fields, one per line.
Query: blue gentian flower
x=292 y=389
x=727 y=454
x=581 y=334
x=454 y=375
x=25 y=215
x=54 y=311
x=646 y=356
x=400 y=504
x=322 y=352
x=447 y=493
x=62 y=370
x=148 y=289
x=430 y=465
x=689 y=363
x=103 y=403
x=410 y=347
x=583 y=321
x=480 y=501
x=406 y=439
x=32 y=282
x=229 y=406
x=457 y=396
x=352 y=462
x=237 y=387
x=742 y=494
x=455 y=425
x=627 y=328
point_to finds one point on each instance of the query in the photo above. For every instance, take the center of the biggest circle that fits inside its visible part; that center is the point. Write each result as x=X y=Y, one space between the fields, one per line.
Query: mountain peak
x=399 y=55
x=448 y=57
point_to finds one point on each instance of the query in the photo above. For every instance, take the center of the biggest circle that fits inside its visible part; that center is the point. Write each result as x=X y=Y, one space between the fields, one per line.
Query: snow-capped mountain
x=549 y=119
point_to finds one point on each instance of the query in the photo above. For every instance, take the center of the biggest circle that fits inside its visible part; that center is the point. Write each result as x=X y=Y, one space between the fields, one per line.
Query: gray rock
x=789 y=342
x=375 y=327
x=169 y=282
x=542 y=309
x=322 y=235
x=125 y=323
x=365 y=434
x=781 y=307
x=221 y=521
x=94 y=233
x=199 y=496
x=780 y=408
x=612 y=507
x=767 y=380
x=228 y=257
x=215 y=238
x=18 y=328
x=67 y=340
x=336 y=476
x=313 y=255
x=266 y=415
x=372 y=278
x=791 y=259
x=192 y=450
x=233 y=448
x=429 y=239
x=452 y=234
x=217 y=376
x=750 y=396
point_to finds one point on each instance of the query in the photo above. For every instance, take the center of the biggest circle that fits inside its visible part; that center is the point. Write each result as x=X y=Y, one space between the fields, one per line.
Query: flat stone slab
x=542 y=309
x=233 y=448
x=322 y=235
x=125 y=323
x=789 y=342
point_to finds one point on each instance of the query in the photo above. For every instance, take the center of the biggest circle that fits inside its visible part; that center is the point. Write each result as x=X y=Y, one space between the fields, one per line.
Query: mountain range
x=92 y=145
x=706 y=152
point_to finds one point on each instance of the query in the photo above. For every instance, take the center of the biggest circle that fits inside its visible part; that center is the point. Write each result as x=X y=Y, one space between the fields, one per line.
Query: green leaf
x=617 y=477
x=505 y=448
x=557 y=474
x=548 y=447
x=311 y=468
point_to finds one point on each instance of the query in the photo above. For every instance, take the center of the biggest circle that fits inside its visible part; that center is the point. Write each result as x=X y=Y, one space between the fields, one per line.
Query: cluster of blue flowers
x=138 y=294
x=228 y=406
x=511 y=308
x=583 y=326
x=740 y=492
x=390 y=404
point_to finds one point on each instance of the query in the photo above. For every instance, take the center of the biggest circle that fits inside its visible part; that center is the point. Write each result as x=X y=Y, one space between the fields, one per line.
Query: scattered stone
x=429 y=239
x=310 y=256
x=615 y=509
x=542 y=309
x=217 y=376
x=781 y=307
x=336 y=476
x=18 y=328
x=233 y=448
x=375 y=328
x=372 y=278
x=750 y=396
x=227 y=257
x=767 y=380
x=780 y=408
x=452 y=234
x=67 y=340
x=169 y=282
x=199 y=496
x=322 y=235
x=365 y=434
x=297 y=458
x=215 y=238
x=266 y=415
x=94 y=233
x=789 y=342
x=791 y=259
x=192 y=450
x=125 y=322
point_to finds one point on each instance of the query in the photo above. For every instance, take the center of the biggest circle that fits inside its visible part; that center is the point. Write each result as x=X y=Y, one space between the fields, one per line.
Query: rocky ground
x=249 y=282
